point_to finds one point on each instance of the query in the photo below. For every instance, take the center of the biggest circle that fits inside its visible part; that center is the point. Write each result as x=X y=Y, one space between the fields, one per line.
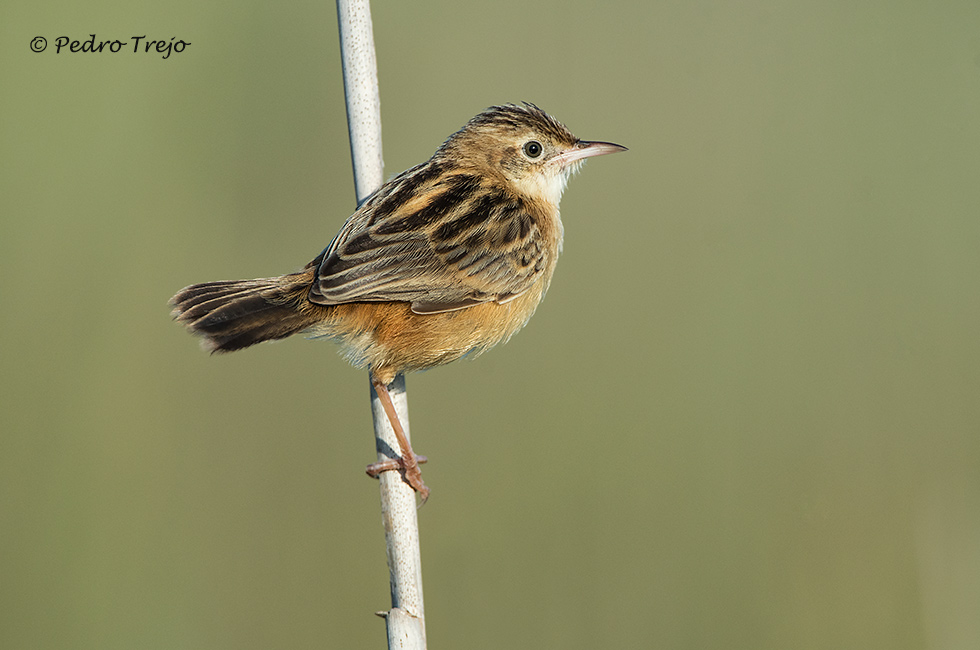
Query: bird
x=444 y=261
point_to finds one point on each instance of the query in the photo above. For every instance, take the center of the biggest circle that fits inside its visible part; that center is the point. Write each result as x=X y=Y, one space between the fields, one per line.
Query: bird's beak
x=585 y=149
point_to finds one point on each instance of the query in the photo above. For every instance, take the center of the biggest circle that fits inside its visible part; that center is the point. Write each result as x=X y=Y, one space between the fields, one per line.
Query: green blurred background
x=746 y=416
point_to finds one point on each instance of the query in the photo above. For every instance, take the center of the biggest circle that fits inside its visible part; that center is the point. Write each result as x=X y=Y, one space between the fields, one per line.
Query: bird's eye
x=532 y=149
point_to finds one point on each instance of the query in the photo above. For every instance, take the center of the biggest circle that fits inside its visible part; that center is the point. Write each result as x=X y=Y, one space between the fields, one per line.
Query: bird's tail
x=236 y=314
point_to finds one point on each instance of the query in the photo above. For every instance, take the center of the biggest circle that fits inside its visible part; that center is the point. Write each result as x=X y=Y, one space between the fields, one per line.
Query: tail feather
x=232 y=315
x=196 y=294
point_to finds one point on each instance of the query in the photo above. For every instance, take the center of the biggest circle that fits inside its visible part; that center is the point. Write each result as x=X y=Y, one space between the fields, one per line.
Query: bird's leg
x=409 y=462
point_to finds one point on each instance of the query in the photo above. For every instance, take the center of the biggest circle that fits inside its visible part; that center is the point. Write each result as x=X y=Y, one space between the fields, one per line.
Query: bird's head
x=530 y=151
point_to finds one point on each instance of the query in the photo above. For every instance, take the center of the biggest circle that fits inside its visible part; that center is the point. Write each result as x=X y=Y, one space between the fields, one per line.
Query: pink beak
x=585 y=149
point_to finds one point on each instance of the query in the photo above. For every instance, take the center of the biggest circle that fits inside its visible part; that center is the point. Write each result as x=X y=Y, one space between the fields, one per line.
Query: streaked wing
x=439 y=240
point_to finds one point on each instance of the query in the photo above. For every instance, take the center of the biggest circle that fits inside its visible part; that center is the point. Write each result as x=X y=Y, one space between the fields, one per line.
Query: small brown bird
x=445 y=260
